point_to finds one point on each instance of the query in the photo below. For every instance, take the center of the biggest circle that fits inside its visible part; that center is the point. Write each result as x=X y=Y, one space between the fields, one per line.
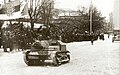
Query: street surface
x=101 y=58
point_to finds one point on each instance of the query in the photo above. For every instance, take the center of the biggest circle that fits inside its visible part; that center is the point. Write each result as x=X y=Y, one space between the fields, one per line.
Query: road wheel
x=36 y=62
x=31 y=62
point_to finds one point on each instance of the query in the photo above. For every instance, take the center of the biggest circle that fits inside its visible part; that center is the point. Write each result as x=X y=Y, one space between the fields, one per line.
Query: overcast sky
x=105 y=6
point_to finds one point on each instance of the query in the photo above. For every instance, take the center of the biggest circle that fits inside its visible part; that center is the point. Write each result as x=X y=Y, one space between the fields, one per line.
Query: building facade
x=111 y=21
x=116 y=15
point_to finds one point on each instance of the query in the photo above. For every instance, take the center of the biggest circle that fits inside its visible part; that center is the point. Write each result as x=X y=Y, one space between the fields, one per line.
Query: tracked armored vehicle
x=47 y=50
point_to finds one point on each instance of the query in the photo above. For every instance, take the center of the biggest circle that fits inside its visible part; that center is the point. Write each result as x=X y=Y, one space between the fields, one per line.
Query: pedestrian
x=92 y=38
x=92 y=41
x=4 y=41
x=108 y=35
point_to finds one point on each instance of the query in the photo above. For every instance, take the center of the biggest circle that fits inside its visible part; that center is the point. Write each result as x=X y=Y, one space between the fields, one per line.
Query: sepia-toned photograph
x=59 y=37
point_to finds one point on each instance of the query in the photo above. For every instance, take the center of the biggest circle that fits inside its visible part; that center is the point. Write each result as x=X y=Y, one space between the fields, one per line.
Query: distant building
x=14 y=9
x=68 y=13
x=111 y=21
x=116 y=15
x=111 y=18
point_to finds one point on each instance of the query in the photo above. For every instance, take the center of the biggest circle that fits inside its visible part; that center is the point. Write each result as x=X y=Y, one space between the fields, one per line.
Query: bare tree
x=40 y=11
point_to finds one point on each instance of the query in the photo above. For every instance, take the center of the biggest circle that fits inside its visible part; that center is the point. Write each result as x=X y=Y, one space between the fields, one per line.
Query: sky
x=105 y=6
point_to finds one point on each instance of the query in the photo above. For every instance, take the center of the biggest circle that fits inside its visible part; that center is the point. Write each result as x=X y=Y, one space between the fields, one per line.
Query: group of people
x=15 y=38
x=100 y=36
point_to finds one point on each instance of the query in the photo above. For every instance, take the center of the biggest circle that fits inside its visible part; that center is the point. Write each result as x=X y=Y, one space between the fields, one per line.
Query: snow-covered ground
x=102 y=58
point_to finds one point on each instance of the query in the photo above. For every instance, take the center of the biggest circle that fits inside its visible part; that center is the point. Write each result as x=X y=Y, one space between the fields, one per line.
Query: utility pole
x=91 y=6
x=31 y=4
x=4 y=1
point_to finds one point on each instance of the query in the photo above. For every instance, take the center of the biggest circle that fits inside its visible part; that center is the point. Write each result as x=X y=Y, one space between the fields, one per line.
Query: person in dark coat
x=92 y=38
x=4 y=41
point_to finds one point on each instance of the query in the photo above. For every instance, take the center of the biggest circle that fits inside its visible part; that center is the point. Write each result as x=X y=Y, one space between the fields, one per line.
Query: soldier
x=92 y=41
x=11 y=41
x=108 y=35
x=92 y=38
x=4 y=42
